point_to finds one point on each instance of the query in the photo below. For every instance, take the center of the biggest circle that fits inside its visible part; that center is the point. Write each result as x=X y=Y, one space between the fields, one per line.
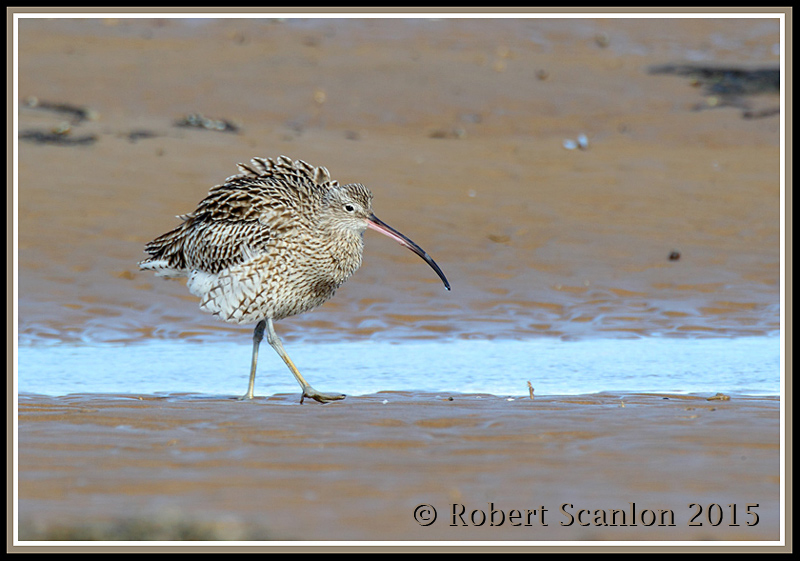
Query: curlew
x=274 y=241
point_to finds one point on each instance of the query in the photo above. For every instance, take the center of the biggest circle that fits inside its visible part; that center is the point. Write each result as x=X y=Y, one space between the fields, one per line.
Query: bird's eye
x=349 y=208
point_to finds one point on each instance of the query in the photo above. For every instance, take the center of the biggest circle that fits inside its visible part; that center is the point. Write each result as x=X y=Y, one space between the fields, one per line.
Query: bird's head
x=348 y=208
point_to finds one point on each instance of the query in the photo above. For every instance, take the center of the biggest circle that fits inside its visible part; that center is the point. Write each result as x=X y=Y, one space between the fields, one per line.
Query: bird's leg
x=308 y=391
x=258 y=335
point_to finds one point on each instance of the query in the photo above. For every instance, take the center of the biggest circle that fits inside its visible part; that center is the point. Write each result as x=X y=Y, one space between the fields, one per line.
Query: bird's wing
x=233 y=224
x=237 y=219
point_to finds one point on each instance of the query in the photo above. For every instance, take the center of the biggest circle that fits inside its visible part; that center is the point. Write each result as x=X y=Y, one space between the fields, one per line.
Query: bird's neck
x=345 y=248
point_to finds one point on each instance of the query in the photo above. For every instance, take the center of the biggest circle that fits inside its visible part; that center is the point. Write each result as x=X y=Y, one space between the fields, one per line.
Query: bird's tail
x=166 y=255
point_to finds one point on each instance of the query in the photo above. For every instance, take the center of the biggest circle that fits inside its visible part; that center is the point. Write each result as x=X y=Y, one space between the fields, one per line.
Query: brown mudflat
x=184 y=467
x=458 y=128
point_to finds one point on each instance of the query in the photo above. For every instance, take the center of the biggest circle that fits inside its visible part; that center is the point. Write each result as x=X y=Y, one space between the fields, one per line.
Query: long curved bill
x=379 y=226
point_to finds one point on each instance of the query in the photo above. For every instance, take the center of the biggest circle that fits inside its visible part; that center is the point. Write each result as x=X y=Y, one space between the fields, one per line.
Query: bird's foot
x=309 y=392
x=245 y=397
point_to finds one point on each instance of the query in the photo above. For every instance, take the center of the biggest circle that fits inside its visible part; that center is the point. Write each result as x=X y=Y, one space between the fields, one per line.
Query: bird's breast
x=332 y=260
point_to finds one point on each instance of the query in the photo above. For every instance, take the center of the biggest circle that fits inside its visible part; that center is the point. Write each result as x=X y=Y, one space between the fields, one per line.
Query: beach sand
x=462 y=145
x=666 y=224
x=193 y=467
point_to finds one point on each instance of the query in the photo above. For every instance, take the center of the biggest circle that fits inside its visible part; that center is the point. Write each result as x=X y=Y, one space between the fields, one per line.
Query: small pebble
x=499 y=238
x=582 y=143
x=63 y=128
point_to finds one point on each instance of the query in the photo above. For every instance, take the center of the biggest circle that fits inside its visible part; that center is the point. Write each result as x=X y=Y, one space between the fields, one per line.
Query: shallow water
x=501 y=367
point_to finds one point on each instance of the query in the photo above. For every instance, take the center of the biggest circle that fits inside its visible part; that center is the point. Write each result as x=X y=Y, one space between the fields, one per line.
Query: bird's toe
x=320 y=397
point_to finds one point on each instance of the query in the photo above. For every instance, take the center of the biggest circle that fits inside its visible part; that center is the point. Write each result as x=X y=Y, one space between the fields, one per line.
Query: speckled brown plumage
x=274 y=241
x=262 y=243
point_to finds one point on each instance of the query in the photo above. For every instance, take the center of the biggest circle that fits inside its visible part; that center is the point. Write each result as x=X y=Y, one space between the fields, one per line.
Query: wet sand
x=205 y=468
x=458 y=127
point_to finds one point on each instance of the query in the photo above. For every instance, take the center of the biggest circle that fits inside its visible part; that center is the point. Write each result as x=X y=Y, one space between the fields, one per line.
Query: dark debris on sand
x=77 y=113
x=199 y=121
x=56 y=137
x=727 y=86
